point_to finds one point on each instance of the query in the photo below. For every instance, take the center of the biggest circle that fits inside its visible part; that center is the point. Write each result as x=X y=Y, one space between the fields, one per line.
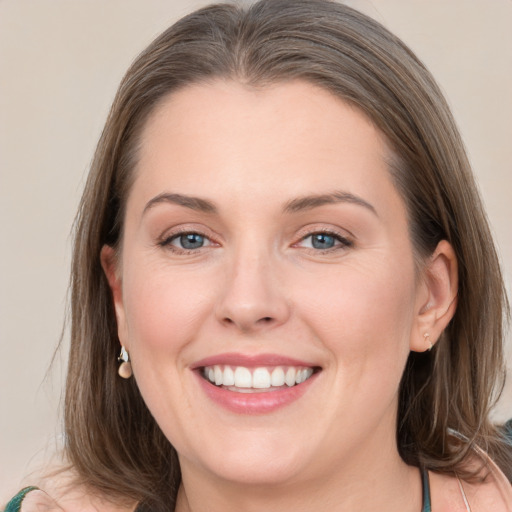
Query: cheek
x=163 y=308
x=365 y=314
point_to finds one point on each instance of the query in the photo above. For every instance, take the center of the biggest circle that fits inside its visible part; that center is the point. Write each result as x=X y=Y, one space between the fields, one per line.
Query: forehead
x=225 y=110
x=229 y=140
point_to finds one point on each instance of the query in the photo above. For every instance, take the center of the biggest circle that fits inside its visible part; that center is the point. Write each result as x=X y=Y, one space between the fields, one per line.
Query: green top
x=426 y=492
x=15 y=504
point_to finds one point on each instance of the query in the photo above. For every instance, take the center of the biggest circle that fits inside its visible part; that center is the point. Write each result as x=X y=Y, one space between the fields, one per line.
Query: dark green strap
x=426 y=492
x=15 y=504
x=507 y=430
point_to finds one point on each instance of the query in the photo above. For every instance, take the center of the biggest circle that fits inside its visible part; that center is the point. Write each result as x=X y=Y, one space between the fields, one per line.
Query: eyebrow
x=293 y=206
x=194 y=203
x=315 y=201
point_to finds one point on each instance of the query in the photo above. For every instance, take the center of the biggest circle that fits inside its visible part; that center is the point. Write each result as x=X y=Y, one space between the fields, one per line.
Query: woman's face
x=264 y=245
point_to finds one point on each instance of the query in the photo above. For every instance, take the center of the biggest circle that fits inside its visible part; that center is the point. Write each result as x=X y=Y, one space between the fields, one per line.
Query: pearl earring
x=125 y=368
x=427 y=339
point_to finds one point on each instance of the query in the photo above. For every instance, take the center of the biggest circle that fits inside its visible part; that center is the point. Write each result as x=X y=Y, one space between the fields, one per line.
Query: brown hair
x=112 y=439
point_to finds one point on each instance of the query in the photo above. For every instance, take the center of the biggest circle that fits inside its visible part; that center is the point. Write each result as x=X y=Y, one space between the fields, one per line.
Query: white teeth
x=257 y=378
x=277 y=377
x=261 y=378
x=229 y=377
x=290 y=376
x=217 y=370
x=243 y=377
x=303 y=375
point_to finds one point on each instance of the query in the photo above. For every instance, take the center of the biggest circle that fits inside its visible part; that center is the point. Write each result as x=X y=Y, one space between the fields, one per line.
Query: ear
x=436 y=298
x=110 y=264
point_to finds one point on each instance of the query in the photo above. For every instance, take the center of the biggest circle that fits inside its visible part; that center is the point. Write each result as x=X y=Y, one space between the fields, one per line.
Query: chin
x=257 y=472
x=266 y=462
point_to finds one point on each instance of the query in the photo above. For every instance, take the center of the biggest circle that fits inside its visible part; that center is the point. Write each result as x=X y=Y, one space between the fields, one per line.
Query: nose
x=253 y=297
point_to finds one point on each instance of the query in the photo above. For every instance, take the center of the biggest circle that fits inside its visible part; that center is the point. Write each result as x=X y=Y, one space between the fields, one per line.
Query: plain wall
x=60 y=64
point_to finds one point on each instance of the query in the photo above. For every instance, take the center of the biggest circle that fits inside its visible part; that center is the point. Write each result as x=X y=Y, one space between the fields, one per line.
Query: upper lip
x=253 y=360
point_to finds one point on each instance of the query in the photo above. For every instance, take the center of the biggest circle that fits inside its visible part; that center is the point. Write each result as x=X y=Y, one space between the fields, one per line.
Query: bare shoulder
x=40 y=501
x=60 y=492
x=494 y=492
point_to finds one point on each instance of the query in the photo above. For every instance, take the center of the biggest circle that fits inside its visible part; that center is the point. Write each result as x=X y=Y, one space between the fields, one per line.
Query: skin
x=258 y=286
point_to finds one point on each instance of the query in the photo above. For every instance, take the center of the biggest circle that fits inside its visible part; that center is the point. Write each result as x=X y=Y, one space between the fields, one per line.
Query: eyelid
x=325 y=227
x=165 y=240
x=343 y=240
x=173 y=238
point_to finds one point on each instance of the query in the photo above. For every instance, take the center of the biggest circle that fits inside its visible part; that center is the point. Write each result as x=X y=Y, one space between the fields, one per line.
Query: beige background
x=60 y=63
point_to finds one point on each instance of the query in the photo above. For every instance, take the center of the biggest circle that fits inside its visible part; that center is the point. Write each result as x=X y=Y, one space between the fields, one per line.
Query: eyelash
x=166 y=242
x=343 y=242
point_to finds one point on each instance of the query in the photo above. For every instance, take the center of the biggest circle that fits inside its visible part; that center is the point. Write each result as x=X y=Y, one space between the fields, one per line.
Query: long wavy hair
x=112 y=440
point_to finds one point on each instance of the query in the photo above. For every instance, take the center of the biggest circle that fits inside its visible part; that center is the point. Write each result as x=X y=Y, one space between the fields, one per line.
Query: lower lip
x=256 y=402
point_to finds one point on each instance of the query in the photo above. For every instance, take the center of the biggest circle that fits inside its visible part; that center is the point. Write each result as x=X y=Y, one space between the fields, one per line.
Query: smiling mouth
x=243 y=379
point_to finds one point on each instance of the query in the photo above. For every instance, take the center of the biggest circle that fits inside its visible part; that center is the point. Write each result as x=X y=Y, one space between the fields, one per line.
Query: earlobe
x=110 y=265
x=437 y=297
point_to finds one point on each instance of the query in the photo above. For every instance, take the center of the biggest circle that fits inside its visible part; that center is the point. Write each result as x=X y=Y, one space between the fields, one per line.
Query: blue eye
x=192 y=241
x=322 y=241
x=189 y=241
x=325 y=241
x=185 y=242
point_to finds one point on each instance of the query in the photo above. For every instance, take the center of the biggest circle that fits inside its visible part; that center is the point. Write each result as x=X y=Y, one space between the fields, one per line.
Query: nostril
x=246 y=323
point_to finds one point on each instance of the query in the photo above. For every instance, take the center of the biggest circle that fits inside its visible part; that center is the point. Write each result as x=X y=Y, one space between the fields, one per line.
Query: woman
x=281 y=241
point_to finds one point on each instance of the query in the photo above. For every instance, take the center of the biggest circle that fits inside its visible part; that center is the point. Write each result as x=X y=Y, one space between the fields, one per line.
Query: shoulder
x=31 y=499
x=490 y=492
x=61 y=493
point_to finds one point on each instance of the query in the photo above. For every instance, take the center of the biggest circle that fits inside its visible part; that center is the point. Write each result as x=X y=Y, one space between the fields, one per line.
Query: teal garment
x=426 y=492
x=15 y=504
x=507 y=430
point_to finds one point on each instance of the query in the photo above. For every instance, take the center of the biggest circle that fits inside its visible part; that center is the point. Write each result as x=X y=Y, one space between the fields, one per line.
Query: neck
x=363 y=488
